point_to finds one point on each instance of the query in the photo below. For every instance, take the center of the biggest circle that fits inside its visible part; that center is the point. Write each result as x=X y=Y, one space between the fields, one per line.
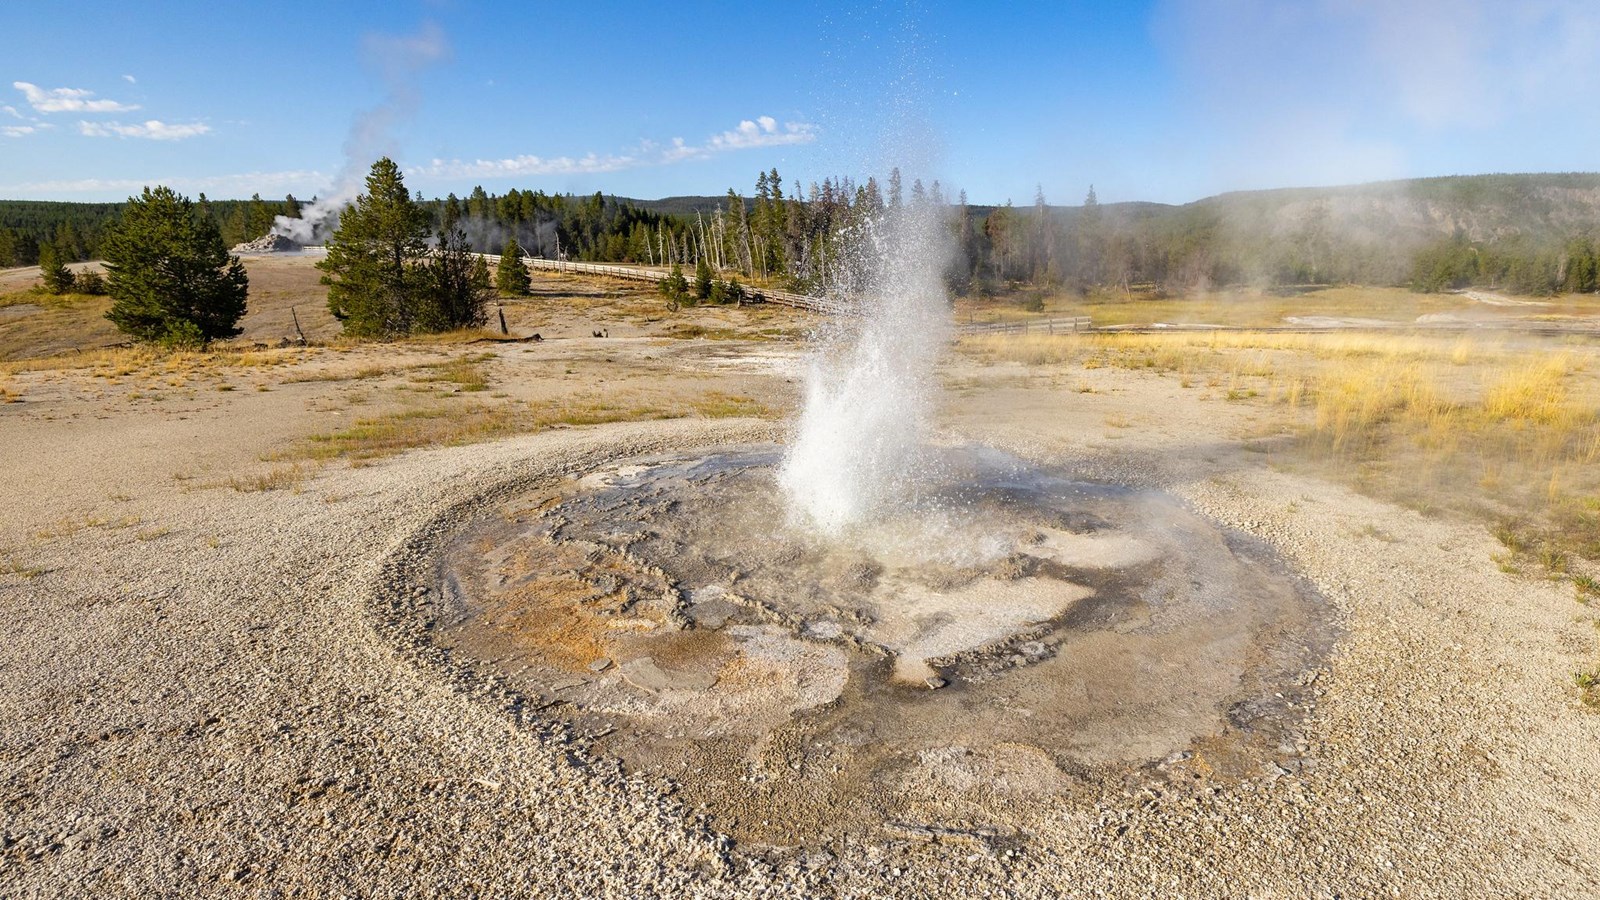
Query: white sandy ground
x=245 y=704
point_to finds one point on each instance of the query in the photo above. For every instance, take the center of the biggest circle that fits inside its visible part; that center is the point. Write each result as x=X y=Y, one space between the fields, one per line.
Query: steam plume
x=397 y=59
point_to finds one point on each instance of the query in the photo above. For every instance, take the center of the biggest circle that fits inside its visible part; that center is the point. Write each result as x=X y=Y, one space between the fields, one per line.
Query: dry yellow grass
x=458 y=423
x=466 y=372
x=10 y=566
x=70 y=527
x=1436 y=422
x=281 y=478
x=1245 y=307
x=463 y=336
x=719 y=405
x=1536 y=393
x=124 y=361
x=1180 y=350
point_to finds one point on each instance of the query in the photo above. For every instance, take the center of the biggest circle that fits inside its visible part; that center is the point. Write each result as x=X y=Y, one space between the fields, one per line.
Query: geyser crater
x=1009 y=635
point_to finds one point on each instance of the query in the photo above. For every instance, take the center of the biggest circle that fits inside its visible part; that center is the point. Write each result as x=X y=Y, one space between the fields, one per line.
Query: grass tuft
x=9 y=566
x=1588 y=682
x=1587 y=587
x=278 y=479
x=466 y=372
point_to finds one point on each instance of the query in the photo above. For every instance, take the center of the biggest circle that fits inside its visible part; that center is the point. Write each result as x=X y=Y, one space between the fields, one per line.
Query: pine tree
x=512 y=276
x=57 y=277
x=702 y=278
x=675 y=288
x=70 y=243
x=258 y=218
x=1091 y=240
x=373 y=271
x=478 y=203
x=458 y=289
x=169 y=275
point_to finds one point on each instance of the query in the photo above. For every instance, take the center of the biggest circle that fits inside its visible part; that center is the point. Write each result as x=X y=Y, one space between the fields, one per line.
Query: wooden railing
x=1063 y=325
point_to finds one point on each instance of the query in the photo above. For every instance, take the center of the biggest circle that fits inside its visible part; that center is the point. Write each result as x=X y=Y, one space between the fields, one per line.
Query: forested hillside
x=76 y=229
x=1530 y=234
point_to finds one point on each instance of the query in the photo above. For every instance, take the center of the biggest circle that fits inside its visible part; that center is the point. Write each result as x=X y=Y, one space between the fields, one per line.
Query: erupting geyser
x=869 y=628
x=858 y=448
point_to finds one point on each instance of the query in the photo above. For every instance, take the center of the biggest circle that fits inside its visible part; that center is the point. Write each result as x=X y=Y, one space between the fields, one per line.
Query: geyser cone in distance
x=870 y=389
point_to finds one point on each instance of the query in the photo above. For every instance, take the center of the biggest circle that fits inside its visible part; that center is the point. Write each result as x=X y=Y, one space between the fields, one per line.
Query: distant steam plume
x=397 y=59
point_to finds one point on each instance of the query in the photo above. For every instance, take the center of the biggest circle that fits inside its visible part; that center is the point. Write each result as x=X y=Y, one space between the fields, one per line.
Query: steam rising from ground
x=398 y=58
x=858 y=451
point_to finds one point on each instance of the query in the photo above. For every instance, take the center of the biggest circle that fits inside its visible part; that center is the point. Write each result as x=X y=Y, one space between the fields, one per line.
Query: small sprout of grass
x=1588 y=682
x=1372 y=531
x=1509 y=535
x=9 y=566
x=150 y=534
x=1587 y=586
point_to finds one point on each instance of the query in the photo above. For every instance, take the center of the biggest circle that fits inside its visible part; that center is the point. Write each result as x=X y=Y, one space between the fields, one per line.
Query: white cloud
x=12 y=112
x=764 y=131
x=130 y=79
x=67 y=100
x=154 y=130
x=242 y=184
x=20 y=130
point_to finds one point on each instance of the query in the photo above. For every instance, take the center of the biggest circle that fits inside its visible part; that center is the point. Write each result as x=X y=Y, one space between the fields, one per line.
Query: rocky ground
x=210 y=691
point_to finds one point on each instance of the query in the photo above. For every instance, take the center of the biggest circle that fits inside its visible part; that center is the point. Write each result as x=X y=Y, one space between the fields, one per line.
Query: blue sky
x=1167 y=100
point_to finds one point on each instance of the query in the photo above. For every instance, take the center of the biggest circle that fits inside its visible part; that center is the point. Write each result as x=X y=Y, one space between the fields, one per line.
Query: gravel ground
x=237 y=696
